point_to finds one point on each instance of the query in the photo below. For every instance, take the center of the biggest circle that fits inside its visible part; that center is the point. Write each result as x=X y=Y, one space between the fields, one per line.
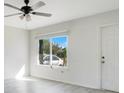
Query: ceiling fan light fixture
x=28 y=17
x=21 y=17
x=27 y=10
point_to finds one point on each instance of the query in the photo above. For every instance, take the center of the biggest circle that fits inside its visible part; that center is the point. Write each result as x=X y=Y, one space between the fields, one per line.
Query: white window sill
x=53 y=67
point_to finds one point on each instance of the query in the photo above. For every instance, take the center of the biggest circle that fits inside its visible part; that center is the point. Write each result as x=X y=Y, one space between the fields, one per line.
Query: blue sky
x=62 y=41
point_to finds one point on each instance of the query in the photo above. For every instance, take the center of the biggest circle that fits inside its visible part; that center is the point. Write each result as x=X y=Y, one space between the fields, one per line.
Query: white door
x=110 y=57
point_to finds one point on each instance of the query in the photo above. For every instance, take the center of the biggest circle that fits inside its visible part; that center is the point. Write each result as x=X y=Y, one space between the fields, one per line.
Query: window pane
x=59 y=51
x=55 y=58
x=44 y=51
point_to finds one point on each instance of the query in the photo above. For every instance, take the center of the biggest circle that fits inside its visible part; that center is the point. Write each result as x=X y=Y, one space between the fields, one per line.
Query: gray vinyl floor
x=45 y=86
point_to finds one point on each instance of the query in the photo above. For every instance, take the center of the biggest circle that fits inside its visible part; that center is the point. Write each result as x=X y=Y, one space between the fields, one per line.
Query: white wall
x=83 y=51
x=15 y=51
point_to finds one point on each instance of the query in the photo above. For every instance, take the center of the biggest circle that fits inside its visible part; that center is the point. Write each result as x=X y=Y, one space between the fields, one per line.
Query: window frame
x=49 y=36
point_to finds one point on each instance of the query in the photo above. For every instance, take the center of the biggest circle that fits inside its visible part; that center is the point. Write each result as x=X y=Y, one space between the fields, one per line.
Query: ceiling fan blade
x=12 y=14
x=42 y=14
x=12 y=6
x=38 y=5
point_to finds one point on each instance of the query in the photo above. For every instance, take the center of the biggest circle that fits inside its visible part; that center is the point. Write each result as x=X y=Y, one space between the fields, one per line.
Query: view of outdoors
x=53 y=51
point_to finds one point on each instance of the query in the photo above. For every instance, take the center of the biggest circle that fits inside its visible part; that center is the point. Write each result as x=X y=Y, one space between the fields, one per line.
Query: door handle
x=103 y=61
x=103 y=57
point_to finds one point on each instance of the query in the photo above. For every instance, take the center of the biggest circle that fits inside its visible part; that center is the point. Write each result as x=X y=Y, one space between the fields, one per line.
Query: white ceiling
x=61 y=10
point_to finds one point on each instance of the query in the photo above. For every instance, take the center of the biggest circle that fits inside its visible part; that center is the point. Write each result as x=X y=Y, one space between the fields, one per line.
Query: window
x=53 y=51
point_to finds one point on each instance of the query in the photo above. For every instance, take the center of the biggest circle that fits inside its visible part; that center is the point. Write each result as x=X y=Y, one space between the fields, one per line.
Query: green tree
x=46 y=46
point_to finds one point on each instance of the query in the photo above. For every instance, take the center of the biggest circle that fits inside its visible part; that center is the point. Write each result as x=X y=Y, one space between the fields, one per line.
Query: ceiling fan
x=26 y=10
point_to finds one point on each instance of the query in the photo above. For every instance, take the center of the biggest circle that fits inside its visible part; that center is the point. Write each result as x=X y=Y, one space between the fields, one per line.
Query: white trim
x=39 y=35
x=51 y=52
x=101 y=26
x=99 y=55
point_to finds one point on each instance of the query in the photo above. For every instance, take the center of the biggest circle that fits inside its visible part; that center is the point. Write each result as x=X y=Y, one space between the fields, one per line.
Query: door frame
x=100 y=51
